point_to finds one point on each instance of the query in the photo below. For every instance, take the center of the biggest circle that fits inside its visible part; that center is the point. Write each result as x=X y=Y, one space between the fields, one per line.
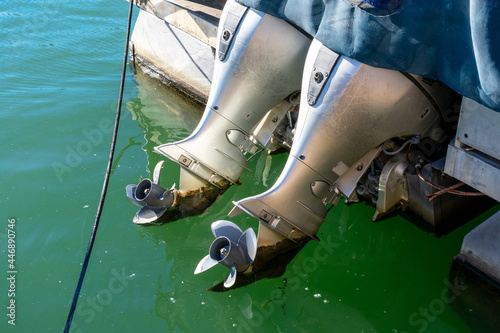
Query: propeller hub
x=224 y=252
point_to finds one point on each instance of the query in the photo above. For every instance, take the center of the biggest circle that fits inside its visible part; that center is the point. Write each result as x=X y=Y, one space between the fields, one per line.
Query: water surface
x=61 y=64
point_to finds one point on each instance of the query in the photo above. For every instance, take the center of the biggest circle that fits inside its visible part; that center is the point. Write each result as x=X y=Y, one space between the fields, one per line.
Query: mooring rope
x=106 y=177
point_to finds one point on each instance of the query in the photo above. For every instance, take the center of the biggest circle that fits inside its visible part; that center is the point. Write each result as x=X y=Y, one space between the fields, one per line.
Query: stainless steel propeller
x=153 y=199
x=232 y=248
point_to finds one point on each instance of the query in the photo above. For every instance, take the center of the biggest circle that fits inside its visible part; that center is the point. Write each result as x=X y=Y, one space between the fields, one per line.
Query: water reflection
x=166 y=115
x=191 y=205
x=270 y=262
x=163 y=114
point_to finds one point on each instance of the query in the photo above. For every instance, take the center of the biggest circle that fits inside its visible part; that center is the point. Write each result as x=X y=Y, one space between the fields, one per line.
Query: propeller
x=232 y=248
x=153 y=199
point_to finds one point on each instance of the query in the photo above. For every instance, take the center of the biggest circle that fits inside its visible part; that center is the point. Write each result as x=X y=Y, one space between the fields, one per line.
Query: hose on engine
x=442 y=190
x=415 y=140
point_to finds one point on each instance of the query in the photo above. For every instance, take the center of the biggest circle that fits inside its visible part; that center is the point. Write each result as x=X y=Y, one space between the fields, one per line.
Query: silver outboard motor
x=259 y=62
x=351 y=109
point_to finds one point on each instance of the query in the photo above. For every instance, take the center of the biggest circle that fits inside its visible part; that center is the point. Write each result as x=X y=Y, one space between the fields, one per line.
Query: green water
x=61 y=64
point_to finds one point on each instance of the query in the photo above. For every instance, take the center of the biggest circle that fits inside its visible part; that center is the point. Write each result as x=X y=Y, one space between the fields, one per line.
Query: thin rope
x=106 y=177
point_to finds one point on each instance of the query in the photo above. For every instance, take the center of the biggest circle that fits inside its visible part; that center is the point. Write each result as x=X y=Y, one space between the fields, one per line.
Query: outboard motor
x=259 y=62
x=349 y=111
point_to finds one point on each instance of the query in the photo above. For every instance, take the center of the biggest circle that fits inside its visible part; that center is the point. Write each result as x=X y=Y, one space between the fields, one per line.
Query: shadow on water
x=270 y=262
x=191 y=205
x=475 y=298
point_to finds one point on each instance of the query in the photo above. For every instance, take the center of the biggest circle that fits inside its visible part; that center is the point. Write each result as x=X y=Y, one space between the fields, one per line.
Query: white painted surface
x=184 y=59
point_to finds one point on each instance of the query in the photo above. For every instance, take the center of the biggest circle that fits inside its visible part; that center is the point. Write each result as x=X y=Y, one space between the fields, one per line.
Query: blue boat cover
x=454 y=41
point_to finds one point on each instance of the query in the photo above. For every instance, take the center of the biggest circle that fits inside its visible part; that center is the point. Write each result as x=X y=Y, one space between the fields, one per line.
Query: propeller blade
x=148 y=214
x=130 y=189
x=206 y=263
x=231 y=278
x=249 y=243
x=227 y=229
x=156 y=172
